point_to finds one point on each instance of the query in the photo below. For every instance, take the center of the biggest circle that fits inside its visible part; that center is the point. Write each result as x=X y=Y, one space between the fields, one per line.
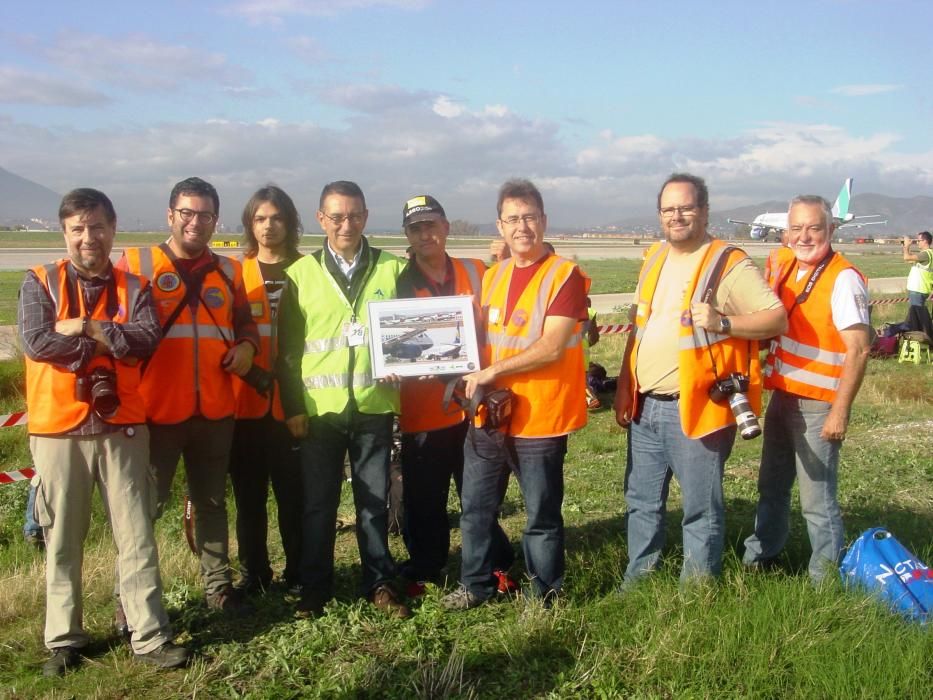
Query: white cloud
x=274 y=11
x=396 y=143
x=446 y=107
x=136 y=61
x=308 y=49
x=866 y=89
x=19 y=86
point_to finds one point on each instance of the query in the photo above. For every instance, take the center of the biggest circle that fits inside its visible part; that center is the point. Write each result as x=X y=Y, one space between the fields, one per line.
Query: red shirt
x=570 y=301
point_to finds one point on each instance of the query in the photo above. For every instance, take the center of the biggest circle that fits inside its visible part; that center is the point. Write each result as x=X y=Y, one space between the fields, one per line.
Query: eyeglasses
x=338 y=219
x=527 y=219
x=686 y=212
x=204 y=217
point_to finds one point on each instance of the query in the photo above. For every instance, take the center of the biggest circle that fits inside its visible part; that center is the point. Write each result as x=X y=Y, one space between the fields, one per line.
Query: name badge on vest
x=493 y=315
x=355 y=333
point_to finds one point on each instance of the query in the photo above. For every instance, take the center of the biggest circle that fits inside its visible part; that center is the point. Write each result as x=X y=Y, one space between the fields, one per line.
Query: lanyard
x=815 y=275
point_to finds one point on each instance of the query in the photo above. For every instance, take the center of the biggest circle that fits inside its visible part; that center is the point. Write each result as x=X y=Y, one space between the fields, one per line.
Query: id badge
x=355 y=333
x=493 y=315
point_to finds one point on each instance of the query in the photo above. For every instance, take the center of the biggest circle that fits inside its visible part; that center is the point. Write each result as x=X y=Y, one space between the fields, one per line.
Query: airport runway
x=24 y=258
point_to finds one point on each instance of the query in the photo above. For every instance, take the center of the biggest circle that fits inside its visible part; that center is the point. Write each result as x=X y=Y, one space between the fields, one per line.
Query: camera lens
x=745 y=418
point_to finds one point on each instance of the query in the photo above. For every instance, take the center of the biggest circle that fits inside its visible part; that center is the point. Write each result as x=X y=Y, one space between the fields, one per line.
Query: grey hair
x=812 y=199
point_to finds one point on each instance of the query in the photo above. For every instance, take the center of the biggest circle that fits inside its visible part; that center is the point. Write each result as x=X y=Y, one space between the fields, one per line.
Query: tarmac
x=603 y=303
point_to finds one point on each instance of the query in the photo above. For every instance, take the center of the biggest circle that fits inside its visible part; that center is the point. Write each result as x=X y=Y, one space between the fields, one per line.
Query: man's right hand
x=623 y=404
x=297 y=426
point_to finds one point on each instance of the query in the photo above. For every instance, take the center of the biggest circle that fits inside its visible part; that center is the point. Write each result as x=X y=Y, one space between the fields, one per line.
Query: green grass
x=767 y=636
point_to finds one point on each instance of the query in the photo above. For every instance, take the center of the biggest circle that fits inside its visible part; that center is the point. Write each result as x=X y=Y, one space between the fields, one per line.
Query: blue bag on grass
x=880 y=564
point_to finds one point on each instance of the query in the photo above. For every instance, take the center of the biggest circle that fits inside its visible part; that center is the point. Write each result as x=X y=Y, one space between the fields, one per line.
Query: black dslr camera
x=733 y=389
x=260 y=379
x=99 y=388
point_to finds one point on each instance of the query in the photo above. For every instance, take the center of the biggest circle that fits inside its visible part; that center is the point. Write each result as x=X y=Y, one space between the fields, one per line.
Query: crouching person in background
x=85 y=326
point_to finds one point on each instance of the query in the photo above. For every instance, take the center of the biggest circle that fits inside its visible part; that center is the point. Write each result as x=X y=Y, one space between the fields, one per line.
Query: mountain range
x=22 y=201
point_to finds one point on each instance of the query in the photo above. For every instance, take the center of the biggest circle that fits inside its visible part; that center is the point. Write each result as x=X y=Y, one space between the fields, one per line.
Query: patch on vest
x=519 y=317
x=168 y=281
x=256 y=309
x=379 y=293
x=214 y=297
x=686 y=318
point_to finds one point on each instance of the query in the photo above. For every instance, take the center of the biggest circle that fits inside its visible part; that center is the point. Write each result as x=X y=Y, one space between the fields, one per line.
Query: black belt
x=661 y=397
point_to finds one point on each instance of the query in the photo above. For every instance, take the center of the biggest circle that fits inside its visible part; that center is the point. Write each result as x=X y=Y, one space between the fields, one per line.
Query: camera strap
x=712 y=284
x=814 y=277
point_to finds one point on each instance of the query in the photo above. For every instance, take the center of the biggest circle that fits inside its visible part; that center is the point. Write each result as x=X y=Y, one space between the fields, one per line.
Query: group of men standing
x=262 y=367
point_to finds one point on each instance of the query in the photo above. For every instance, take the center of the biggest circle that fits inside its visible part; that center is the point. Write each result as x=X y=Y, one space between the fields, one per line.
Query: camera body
x=99 y=388
x=262 y=380
x=733 y=389
x=723 y=388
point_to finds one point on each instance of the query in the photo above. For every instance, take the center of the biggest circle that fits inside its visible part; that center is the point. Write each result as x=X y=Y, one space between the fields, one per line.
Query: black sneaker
x=36 y=539
x=168 y=655
x=62 y=659
x=311 y=605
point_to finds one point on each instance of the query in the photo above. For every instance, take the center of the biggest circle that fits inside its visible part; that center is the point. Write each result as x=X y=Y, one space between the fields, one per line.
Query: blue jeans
x=793 y=448
x=30 y=526
x=916 y=298
x=657 y=450
x=368 y=439
x=538 y=463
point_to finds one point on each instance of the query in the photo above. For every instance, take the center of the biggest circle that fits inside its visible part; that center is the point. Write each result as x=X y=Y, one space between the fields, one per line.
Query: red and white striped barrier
x=614 y=328
x=18 y=475
x=12 y=419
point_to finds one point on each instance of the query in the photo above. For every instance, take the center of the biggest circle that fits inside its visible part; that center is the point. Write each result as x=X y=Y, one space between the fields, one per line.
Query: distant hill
x=22 y=200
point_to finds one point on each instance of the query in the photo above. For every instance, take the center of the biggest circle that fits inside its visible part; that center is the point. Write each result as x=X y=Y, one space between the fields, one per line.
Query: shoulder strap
x=715 y=276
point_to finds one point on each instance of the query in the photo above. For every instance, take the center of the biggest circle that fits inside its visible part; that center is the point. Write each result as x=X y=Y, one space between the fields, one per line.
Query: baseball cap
x=422 y=208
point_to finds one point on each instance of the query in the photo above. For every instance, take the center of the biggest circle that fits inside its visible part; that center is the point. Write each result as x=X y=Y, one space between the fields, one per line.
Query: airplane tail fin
x=841 y=206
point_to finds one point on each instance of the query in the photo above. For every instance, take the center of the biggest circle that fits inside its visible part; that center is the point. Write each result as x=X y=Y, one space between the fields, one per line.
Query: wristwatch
x=725 y=325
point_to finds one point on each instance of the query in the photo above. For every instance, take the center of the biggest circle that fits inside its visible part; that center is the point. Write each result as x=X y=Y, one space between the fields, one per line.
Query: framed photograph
x=422 y=336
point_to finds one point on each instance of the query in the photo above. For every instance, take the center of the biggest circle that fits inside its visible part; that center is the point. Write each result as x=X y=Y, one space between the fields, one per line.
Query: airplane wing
x=743 y=223
x=853 y=224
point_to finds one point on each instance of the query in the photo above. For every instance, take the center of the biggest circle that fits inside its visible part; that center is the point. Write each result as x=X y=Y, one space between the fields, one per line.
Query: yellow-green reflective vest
x=328 y=359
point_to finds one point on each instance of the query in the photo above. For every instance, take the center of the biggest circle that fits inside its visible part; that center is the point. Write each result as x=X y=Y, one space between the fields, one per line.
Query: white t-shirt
x=849 y=300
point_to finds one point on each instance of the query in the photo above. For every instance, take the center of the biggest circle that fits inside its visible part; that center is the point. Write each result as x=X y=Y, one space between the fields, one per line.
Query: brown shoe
x=385 y=598
x=120 y=625
x=228 y=600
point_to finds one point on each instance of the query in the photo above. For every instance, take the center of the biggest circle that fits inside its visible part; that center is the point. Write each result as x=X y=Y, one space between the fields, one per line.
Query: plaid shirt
x=37 y=318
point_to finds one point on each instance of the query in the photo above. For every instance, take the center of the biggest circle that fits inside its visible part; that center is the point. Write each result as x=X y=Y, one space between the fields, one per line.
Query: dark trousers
x=263 y=452
x=368 y=439
x=429 y=460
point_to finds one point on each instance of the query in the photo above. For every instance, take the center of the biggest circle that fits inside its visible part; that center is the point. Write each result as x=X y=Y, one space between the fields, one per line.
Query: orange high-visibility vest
x=249 y=403
x=184 y=377
x=807 y=360
x=423 y=399
x=699 y=415
x=50 y=390
x=551 y=400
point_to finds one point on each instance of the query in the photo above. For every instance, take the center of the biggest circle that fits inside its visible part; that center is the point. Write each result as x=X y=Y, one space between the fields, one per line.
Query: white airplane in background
x=766 y=224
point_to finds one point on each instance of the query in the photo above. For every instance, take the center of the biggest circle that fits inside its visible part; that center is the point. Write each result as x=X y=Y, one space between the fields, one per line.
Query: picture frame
x=423 y=336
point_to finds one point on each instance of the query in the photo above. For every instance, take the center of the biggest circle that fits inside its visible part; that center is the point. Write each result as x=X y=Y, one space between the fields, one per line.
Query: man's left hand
x=475 y=379
x=705 y=316
x=70 y=326
x=239 y=359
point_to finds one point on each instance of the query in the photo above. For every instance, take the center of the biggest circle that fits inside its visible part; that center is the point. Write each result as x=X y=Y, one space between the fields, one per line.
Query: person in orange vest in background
x=700 y=307
x=533 y=305
x=432 y=433
x=84 y=328
x=208 y=337
x=263 y=448
x=815 y=370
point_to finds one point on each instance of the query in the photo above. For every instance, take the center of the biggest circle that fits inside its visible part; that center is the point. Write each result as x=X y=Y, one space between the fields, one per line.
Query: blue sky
x=595 y=101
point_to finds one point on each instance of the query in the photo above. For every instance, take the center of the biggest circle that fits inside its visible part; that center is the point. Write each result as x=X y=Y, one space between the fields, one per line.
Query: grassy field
x=753 y=635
